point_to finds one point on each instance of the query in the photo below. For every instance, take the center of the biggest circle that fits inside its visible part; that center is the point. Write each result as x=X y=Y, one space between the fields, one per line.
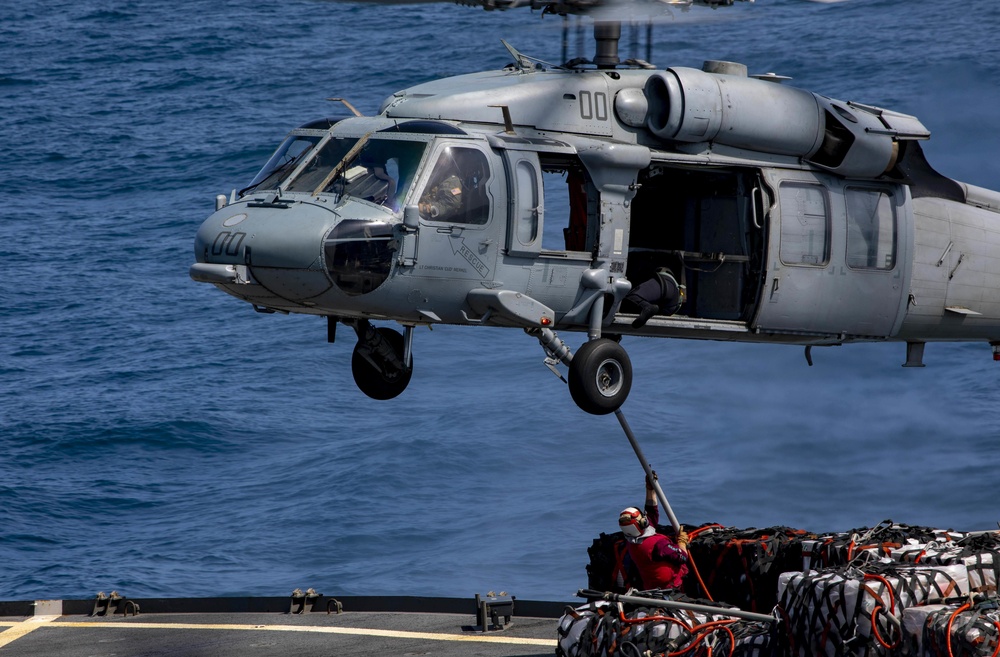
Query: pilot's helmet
x=632 y=522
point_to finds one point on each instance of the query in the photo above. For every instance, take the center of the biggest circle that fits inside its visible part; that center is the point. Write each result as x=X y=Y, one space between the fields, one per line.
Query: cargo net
x=847 y=611
x=859 y=592
x=605 y=629
x=955 y=631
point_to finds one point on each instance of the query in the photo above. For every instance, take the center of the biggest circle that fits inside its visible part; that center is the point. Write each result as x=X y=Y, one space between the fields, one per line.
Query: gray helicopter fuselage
x=787 y=216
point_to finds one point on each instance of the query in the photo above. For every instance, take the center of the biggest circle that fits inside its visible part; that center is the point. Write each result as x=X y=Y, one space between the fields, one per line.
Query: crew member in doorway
x=660 y=295
x=661 y=562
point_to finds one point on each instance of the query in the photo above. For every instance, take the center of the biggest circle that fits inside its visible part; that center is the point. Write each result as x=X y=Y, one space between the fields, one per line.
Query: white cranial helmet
x=632 y=522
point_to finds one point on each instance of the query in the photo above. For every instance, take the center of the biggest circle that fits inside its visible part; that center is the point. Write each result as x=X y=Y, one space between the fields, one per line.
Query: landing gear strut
x=381 y=362
x=600 y=373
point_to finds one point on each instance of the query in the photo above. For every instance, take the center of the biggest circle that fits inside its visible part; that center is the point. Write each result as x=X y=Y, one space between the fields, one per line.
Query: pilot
x=443 y=199
x=660 y=560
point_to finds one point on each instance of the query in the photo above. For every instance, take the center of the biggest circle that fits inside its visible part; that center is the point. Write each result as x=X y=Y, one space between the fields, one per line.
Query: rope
x=692 y=535
x=697 y=634
x=878 y=635
x=697 y=574
x=948 y=630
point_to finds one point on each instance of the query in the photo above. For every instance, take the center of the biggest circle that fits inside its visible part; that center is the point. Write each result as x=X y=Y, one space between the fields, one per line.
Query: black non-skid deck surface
x=248 y=634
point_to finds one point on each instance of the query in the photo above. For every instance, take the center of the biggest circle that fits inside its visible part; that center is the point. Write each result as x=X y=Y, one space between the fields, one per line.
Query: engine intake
x=690 y=106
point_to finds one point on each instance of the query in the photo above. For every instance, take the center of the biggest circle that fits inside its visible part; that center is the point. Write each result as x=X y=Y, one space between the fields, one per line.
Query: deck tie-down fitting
x=492 y=607
x=303 y=602
x=109 y=605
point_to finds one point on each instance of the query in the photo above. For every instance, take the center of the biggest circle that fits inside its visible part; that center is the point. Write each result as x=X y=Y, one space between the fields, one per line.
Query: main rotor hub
x=607 y=34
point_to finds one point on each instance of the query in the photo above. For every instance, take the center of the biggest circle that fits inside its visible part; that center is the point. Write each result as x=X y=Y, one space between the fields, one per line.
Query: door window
x=871 y=229
x=456 y=190
x=805 y=225
x=526 y=229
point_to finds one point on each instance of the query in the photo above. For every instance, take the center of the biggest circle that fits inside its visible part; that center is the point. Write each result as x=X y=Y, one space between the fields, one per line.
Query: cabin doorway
x=706 y=228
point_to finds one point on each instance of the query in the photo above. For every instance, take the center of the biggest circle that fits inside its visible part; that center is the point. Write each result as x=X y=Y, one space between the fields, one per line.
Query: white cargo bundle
x=982 y=564
x=828 y=551
x=609 y=630
x=864 y=546
x=847 y=611
x=961 y=631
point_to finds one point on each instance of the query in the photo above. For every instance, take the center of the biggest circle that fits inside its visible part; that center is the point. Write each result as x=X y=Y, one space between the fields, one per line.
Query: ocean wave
x=150 y=424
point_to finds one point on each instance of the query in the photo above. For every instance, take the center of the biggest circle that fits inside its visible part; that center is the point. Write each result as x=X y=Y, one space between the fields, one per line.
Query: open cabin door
x=551 y=225
x=704 y=226
x=837 y=265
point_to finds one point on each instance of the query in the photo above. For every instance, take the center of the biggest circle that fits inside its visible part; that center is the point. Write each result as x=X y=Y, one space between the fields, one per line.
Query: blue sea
x=160 y=438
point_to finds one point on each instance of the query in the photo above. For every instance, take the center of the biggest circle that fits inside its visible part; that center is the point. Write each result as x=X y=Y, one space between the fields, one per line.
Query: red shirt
x=661 y=563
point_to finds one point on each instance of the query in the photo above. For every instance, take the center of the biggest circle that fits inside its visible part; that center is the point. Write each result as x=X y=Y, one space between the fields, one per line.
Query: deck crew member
x=661 y=562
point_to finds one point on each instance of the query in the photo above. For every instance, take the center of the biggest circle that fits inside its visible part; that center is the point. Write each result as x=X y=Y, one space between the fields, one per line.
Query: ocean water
x=160 y=438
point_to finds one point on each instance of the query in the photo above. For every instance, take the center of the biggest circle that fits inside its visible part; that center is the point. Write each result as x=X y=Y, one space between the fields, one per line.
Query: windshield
x=369 y=168
x=289 y=154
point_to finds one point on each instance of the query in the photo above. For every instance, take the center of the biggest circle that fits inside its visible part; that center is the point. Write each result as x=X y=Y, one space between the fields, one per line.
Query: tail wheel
x=600 y=376
x=375 y=375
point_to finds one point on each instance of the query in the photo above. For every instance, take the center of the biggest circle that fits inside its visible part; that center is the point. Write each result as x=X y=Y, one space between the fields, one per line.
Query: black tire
x=600 y=376
x=371 y=380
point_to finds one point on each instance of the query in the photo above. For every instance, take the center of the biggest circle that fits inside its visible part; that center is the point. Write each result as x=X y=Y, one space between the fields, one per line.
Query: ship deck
x=246 y=627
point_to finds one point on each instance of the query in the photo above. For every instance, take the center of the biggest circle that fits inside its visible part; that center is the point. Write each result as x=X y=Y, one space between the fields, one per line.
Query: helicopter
x=704 y=204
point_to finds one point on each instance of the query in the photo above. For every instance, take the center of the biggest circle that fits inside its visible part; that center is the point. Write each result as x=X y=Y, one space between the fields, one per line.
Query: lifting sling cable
x=648 y=469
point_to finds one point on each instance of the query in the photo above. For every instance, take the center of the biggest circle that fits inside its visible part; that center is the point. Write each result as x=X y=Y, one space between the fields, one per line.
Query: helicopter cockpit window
x=456 y=190
x=375 y=170
x=289 y=154
x=871 y=229
x=321 y=164
x=805 y=225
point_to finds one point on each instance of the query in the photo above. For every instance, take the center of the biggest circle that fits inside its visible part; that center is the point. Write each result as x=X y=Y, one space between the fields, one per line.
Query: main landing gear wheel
x=600 y=376
x=376 y=365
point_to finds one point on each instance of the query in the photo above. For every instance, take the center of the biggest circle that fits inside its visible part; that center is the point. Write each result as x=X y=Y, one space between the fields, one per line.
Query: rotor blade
x=485 y=4
x=631 y=8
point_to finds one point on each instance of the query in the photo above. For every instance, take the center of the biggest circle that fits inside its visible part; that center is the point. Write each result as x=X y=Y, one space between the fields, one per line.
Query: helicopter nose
x=221 y=238
x=276 y=246
x=220 y=248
